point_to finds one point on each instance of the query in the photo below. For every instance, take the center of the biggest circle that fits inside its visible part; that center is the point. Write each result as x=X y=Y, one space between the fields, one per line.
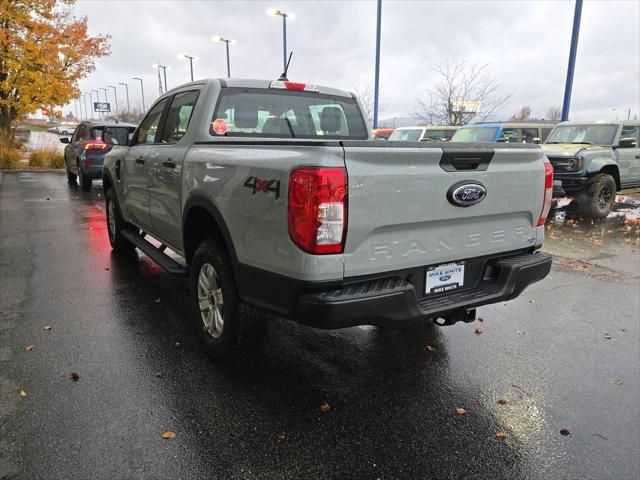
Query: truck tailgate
x=399 y=215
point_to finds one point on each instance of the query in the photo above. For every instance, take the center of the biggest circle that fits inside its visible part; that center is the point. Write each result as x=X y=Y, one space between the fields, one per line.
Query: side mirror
x=64 y=140
x=537 y=140
x=628 y=142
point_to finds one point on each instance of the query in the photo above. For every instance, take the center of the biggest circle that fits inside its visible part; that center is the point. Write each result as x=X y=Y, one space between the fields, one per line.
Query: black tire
x=243 y=325
x=116 y=224
x=598 y=197
x=71 y=177
x=84 y=181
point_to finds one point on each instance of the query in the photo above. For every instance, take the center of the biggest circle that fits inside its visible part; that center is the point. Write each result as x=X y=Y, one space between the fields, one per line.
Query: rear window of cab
x=272 y=113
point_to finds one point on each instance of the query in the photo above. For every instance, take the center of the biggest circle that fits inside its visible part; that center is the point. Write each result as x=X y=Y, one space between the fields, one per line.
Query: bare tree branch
x=460 y=81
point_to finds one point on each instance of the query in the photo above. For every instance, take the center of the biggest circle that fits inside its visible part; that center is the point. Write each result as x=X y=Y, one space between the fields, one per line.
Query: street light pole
x=90 y=103
x=97 y=99
x=164 y=71
x=106 y=98
x=86 y=110
x=279 y=13
x=126 y=89
x=572 y=60
x=376 y=86
x=115 y=94
x=142 y=90
x=188 y=57
x=226 y=41
x=75 y=104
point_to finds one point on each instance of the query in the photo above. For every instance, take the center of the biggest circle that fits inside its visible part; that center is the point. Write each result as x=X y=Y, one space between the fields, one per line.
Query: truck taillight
x=318 y=209
x=94 y=145
x=548 y=192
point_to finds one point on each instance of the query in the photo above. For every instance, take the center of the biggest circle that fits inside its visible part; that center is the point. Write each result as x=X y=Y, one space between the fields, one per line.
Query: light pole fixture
x=76 y=102
x=164 y=71
x=566 y=103
x=144 y=109
x=190 y=58
x=276 y=12
x=115 y=93
x=126 y=89
x=227 y=42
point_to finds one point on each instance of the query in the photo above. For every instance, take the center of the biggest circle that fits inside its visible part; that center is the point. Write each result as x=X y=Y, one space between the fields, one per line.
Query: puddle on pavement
x=607 y=242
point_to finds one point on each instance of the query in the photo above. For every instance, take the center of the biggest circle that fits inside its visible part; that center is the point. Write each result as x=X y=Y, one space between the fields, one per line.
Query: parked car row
x=64 y=129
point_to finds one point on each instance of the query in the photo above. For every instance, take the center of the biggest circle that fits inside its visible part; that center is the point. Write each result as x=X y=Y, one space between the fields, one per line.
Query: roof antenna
x=283 y=77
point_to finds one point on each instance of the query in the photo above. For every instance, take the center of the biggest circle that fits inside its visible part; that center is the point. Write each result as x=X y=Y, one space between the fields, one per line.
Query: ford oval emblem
x=444 y=278
x=467 y=193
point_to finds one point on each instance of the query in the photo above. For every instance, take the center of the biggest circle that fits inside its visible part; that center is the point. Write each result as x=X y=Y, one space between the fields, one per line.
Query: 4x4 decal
x=258 y=185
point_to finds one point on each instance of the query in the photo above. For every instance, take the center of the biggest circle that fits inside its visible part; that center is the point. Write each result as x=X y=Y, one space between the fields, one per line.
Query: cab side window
x=509 y=135
x=149 y=127
x=81 y=133
x=178 y=116
x=545 y=133
x=528 y=134
x=630 y=132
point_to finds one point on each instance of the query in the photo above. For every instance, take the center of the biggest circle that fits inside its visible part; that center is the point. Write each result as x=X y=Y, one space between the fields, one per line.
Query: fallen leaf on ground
x=28 y=348
x=75 y=376
x=502 y=401
x=607 y=337
x=520 y=332
x=168 y=435
x=502 y=435
x=461 y=411
x=565 y=432
x=477 y=330
x=48 y=327
x=601 y=435
x=620 y=382
x=325 y=407
x=22 y=393
x=481 y=319
x=431 y=348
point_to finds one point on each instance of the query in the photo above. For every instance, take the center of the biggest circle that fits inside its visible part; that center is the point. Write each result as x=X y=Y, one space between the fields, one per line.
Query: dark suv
x=90 y=142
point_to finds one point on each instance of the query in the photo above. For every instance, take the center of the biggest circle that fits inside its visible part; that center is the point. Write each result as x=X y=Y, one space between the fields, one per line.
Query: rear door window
x=254 y=112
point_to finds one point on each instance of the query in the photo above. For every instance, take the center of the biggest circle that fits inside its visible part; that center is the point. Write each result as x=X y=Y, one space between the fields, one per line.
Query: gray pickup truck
x=275 y=201
x=593 y=160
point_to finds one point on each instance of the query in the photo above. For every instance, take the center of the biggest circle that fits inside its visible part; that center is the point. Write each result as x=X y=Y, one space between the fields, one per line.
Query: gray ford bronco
x=593 y=160
x=274 y=200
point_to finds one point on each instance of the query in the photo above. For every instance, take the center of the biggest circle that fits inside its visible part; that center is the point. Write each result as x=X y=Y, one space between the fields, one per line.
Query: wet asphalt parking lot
x=565 y=355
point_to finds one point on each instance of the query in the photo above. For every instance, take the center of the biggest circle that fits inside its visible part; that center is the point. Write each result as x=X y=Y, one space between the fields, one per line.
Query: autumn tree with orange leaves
x=44 y=52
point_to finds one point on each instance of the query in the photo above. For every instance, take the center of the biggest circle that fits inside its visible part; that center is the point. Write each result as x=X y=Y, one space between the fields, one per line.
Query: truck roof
x=258 y=83
x=430 y=127
x=601 y=122
x=508 y=125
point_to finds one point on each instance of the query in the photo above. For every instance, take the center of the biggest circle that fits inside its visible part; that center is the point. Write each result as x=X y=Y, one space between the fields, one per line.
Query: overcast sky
x=526 y=44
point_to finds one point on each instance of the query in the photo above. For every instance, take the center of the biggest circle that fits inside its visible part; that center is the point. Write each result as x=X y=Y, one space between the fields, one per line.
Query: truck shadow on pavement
x=392 y=401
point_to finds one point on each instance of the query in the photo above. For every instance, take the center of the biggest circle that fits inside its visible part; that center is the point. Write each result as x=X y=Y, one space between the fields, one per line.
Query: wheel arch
x=614 y=172
x=605 y=165
x=202 y=219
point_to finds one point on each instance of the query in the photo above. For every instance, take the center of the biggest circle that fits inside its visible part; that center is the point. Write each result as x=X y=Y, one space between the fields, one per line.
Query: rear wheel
x=85 y=182
x=116 y=224
x=71 y=177
x=226 y=327
x=598 y=197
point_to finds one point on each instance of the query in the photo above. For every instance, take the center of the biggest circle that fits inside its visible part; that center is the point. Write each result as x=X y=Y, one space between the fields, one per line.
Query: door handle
x=140 y=160
x=169 y=163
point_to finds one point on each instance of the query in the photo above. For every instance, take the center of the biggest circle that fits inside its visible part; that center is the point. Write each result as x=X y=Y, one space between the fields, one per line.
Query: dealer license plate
x=444 y=278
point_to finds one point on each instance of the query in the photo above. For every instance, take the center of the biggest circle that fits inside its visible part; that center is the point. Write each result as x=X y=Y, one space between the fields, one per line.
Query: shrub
x=9 y=158
x=38 y=158
x=46 y=158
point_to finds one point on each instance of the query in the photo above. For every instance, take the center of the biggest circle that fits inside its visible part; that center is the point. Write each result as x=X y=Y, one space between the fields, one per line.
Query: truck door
x=629 y=157
x=135 y=170
x=165 y=169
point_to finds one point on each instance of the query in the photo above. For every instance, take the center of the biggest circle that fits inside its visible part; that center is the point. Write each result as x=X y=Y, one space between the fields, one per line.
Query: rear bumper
x=393 y=300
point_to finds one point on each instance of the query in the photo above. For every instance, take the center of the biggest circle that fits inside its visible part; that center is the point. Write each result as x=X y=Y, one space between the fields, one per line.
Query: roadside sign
x=101 y=107
x=465 y=106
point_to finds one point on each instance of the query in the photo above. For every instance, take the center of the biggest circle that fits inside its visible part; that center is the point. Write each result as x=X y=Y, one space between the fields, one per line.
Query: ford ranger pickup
x=274 y=200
